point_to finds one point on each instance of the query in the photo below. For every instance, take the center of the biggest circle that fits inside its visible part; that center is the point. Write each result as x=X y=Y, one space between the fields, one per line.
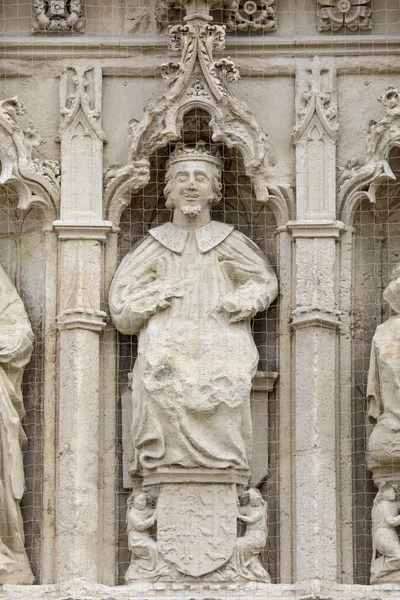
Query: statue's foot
x=7 y=563
x=15 y=569
x=136 y=573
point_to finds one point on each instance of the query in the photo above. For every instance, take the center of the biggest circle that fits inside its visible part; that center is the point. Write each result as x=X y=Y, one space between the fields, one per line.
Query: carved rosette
x=249 y=15
x=332 y=15
x=52 y=16
x=239 y=16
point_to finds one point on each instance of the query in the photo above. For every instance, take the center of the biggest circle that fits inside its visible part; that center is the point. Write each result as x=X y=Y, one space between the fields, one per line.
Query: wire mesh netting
x=97 y=99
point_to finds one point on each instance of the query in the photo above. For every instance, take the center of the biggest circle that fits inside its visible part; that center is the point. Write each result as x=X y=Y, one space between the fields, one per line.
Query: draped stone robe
x=383 y=391
x=15 y=351
x=192 y=377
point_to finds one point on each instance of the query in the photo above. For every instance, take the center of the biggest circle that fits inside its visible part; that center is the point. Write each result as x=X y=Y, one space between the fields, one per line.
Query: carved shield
x=196 y=525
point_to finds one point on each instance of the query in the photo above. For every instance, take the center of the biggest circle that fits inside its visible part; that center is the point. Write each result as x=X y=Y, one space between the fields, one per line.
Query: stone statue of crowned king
x=189 y=291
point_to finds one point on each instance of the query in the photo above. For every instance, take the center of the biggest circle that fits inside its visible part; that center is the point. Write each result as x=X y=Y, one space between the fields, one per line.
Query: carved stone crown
x=197 y=153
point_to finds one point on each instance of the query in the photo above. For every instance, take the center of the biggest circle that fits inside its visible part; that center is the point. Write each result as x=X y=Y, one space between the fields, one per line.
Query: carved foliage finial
x=37 y=181
x=10 y=109
x=391 y=100
x=197 y=43
x=358 y=179
x=383 y=133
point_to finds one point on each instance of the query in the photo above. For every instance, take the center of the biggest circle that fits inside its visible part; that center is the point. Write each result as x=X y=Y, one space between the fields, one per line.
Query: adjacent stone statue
x=15 y=351
x=189 y=291
x=245 y=559
x=384 y=391
x=385 y=565
x=145 y=560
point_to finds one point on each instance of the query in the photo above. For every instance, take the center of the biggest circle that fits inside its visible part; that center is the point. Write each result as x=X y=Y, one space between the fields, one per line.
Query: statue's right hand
x=175 y=290
x=166 y=293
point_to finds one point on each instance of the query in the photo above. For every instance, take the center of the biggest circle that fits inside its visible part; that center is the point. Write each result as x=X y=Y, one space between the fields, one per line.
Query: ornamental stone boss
x=189 y=291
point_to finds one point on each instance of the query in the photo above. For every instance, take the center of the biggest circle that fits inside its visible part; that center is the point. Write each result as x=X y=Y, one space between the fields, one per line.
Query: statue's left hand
x=232 y=313
x=239 y=315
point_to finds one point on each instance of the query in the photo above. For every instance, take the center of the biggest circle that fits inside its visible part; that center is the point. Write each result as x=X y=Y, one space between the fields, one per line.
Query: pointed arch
x=232 y=123
x=360 y=181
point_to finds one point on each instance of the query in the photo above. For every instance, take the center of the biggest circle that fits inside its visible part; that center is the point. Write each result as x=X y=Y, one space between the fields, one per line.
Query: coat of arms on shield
x=196 y=525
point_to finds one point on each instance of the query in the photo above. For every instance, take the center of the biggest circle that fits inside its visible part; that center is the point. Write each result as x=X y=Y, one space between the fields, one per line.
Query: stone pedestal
x=197 y=512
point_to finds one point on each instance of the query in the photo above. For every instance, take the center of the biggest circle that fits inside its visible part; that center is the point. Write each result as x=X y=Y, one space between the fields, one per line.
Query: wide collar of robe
x=207 y=237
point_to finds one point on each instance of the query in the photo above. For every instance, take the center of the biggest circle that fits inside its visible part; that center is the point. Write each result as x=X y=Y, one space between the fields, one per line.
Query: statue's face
x=191 y=184
x=255 y=500
x=390 y=494
x=140 y=501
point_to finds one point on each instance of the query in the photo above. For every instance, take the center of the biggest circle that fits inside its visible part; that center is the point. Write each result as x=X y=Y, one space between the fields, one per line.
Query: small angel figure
x=245 y=559
x=385 y=565
x=145 y=560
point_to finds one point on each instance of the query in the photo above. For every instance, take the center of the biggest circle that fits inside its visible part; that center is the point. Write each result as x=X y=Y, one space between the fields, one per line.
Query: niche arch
x=199 y=85
x=369 y=206
x=29 y=203
x=240 y=208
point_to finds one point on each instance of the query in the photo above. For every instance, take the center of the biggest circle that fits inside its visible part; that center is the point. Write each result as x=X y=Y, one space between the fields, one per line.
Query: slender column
x=80 y=321
x=263 y=384
x=315 y=322
x=108 y=476
x=49 y=411
x=344 y=410
x=286 y=450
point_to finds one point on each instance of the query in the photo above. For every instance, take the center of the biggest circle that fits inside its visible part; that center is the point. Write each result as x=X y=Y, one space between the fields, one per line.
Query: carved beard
x=190 y=210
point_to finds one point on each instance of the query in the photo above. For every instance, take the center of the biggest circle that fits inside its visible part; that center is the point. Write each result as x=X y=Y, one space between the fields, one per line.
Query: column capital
x=324 y=228
x=82 y=318
x=314 y=316
x=82 y=230
x=264 y=381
